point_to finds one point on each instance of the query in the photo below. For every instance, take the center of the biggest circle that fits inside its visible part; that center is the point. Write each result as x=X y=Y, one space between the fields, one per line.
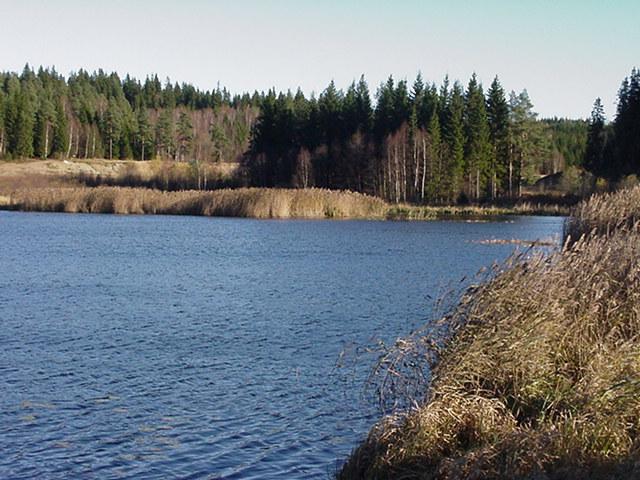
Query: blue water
x=191 y=347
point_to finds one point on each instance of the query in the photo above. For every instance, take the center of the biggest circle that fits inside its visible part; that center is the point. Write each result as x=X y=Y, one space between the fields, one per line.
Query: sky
x=564 y=52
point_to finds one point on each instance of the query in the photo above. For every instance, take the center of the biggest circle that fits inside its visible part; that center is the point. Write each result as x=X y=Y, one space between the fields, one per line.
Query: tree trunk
x=404 y=171
x=70 y=141
x=46 y=142
x=424 y=167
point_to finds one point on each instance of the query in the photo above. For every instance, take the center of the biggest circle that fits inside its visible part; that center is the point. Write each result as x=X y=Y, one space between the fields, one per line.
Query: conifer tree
x=60 y=131
x=477 y=146
x=527 y=141
x=435 y=189
x=164 y=135
x=594 y=154
x=2 y=123
x=144 y=135
x=185 y=135
x=498 y=116
x=112 y=127
x=453 y=132
x=23 y=126
x=45 y=118
x=627 y=126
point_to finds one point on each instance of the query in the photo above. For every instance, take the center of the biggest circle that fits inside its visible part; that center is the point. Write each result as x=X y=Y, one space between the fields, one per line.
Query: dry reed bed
x=411 y=212
x=606 y=213
x=244 y=202
x=541 y=378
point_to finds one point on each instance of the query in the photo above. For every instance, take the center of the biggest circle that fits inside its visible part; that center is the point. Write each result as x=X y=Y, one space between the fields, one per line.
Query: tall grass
x=415 y=212
x=536 y=373
x=244 y=202
x=605 y=213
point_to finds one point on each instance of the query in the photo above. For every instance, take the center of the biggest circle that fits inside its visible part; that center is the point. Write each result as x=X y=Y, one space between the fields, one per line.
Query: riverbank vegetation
x=535 y=374
x=242 y=202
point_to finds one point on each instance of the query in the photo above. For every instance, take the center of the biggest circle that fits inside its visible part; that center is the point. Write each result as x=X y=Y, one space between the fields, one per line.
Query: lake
x=193 y=347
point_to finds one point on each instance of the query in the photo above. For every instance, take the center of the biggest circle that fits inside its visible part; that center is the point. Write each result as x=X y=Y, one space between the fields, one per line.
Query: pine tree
x=164 y=135
x=45 y=118
x=23 y=126
x=112 y=127
x=528 y=141
x=594 y=155
x=364 y=111
x=220 y=142
x=498 y=116
x=453 y=132
x=60 y=142
x=2 y=123
x=144 y=135
x=477 y=146
x=435 y=188
x=185 y=135
x=627 y=126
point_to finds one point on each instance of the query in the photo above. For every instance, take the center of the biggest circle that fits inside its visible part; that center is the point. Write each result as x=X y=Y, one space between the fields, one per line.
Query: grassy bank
x=540 y=374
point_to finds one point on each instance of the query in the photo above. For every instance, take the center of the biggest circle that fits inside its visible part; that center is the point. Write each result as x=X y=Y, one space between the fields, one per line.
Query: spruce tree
x=3 y=136
x=453 y=133
x=43 y=130
x=164 y=135
x=23 y=127
x=144 y=135
x=477 y=146
x=112 y=128
x=627 y=126
x=185 y=135
x=594 y=154
x=436 y=188
x=498 y=116
x=60 y=143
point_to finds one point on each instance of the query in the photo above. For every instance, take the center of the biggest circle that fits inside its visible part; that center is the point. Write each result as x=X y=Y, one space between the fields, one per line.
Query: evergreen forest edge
x=420 y=144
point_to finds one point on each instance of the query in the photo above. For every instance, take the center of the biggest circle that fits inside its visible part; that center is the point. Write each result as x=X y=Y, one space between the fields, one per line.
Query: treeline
x=101 y=115
x=419 y=144
x=613 y=149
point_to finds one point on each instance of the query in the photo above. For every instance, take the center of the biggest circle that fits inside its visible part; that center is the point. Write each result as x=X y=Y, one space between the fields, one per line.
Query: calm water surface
x=190 y=347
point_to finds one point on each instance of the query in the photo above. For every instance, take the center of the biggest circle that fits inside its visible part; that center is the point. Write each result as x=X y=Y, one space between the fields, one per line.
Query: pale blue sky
x=565 y=52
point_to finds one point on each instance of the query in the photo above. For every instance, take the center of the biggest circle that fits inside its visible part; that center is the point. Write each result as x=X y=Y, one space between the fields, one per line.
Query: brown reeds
x=243 y=202
x=604 y=214
x=538 y=374
x=414 y=212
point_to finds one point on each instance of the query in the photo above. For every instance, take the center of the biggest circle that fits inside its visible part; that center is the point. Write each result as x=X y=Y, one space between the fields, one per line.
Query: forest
x=99 y=115
x=415 y=143
x=613 y=149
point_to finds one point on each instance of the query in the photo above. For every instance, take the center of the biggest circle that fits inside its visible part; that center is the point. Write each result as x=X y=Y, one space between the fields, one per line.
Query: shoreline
x=136 y=187
x=534 y=374
x=260 y=203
